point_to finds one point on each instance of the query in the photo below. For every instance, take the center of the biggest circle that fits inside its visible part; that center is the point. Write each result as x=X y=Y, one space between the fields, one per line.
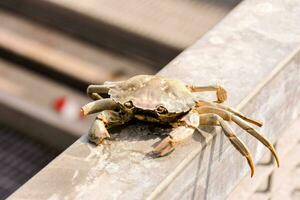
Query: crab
x=163 y=100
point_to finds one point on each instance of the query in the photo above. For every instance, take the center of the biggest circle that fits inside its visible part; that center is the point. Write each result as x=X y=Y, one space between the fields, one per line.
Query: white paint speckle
x=295 y=113
x=94 y=152
x=265 y=8
x=112 y=168
x=216 y=40
x=75 y=175
x=54 y=197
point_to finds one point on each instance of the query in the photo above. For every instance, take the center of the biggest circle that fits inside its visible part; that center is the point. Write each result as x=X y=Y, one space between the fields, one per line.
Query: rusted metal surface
x=254 y=52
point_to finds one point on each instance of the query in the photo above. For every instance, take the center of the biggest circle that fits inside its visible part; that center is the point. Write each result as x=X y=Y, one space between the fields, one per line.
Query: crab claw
x=177 y=136
x=165 y=147
x=221 y=94
x=98 y=106
x=98 y=132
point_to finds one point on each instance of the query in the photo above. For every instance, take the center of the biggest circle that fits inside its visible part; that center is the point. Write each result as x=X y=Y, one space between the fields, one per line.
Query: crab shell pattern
x=163 y=100
x=151 y=92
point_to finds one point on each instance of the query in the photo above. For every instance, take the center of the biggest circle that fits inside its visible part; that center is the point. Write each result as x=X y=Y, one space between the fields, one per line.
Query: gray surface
x=21 y=158
x=151 y=32
x=163 y=21
x=26 y=103
x=254 y=53
x=63 y=54
x=275 y=184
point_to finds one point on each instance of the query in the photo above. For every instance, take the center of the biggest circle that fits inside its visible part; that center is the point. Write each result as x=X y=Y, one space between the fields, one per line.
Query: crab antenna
x=97 y=106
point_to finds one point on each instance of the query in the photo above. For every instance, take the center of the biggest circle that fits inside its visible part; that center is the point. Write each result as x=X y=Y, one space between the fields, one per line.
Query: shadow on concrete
x=201 y=162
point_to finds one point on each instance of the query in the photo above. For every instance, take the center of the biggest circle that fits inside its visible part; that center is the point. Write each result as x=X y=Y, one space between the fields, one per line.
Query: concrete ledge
x=279 y=182
x=255 y=54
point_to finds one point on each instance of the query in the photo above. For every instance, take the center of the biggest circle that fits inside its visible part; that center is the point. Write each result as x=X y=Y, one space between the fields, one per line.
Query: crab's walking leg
x=210 y=118
x=99 y=105
x=94 y=91
x=178 y=134
x=227 y=108
x=243 y=124
x=220 y=91
x=105 y=120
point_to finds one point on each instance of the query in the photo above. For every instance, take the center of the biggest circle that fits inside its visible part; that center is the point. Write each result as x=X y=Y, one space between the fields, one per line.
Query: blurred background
x=51 y=50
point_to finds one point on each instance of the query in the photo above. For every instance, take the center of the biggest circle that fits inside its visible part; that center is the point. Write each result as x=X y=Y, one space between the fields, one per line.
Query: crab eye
x=128 y=104
x=161 y=110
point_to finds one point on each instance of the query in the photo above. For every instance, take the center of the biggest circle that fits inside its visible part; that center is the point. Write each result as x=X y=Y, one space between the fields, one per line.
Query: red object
x=68 y=108
x=59 y=103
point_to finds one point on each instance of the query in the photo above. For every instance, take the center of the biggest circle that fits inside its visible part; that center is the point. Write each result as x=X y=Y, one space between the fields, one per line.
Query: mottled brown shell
x=148 y=92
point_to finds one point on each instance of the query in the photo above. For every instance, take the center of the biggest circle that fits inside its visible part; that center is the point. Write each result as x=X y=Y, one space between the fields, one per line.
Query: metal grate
x=20 y=158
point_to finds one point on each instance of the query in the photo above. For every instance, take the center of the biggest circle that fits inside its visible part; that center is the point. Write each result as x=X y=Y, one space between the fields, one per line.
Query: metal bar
x=92 y=30
x=143 y=30
x=78 y=61
x=25 y=104
x=254 y=52
x=22 y=154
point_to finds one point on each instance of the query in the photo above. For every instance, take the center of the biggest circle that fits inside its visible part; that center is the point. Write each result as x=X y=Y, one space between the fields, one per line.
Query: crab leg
x=235 y=112
x=244 y=125
x=178 y=134
x=105 y=120
x=220 y=91
x=110 y=83
x=210 y=118
x=98 y=131
x=94 y=90
x=99 y=105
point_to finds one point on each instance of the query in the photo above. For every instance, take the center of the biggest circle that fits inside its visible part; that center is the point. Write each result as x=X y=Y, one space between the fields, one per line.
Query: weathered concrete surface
x=254 y=53
x=275 y=183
